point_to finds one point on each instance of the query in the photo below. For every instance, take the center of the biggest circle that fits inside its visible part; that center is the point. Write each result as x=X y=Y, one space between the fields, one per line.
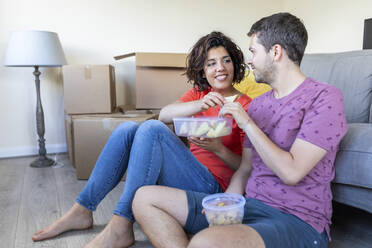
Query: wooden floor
x=32 y=198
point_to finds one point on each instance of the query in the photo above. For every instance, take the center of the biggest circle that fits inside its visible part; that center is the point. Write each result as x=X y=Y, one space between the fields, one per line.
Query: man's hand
x=210 y=144
x=238 y=113
x=212 y=99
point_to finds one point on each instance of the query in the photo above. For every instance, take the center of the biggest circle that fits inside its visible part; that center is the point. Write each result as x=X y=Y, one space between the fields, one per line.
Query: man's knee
x=205 y=238
x=141 y=200
x=227 y=236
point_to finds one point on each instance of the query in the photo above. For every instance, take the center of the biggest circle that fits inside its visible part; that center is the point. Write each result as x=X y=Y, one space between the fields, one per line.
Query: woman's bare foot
x=77 y=218
x=117 y=234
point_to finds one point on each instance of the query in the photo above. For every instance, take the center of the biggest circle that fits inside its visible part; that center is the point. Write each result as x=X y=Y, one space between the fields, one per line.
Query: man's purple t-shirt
x=313 y=112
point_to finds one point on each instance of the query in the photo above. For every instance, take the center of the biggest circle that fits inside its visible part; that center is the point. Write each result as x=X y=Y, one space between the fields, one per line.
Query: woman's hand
x=238 y=113
x=212 y=99
x=210 y=144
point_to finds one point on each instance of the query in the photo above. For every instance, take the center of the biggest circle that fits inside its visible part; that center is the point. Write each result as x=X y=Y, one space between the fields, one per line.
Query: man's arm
x=240 y=177
x=290 y=166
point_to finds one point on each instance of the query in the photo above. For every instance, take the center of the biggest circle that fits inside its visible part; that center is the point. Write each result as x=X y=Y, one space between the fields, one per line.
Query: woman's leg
x=106 y=174
x=157 y=157
x=110 y=166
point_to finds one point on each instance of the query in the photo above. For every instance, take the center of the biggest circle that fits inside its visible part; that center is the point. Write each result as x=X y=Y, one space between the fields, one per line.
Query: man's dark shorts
x=277 y=229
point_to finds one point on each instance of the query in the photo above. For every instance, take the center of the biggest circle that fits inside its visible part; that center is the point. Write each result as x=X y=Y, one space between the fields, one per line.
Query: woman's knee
x=128 y=127
x=153 y=126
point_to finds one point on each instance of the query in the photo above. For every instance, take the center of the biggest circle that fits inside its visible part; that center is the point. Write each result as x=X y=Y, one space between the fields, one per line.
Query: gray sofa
x=351 y=72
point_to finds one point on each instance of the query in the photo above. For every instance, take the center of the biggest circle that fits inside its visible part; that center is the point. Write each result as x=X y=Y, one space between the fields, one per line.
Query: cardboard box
x=69 y=143
x=89 y=89
x=120 y=110
x=89 y=134
x=159 y=78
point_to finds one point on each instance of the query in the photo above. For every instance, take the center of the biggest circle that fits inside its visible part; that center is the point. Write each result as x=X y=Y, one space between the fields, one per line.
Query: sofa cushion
x=351 y=72
x=353 y=196
x=250 y=87
x=353 y=163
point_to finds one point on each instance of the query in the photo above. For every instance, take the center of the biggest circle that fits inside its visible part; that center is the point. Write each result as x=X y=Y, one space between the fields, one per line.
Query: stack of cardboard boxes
x=91 y=112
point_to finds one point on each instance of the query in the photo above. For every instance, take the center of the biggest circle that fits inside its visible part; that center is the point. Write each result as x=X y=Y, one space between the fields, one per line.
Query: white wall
x=332 y=25
x=92 y=32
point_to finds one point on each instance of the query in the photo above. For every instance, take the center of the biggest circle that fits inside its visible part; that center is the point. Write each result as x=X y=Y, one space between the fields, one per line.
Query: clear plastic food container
x=224 y=209
x=208 y=127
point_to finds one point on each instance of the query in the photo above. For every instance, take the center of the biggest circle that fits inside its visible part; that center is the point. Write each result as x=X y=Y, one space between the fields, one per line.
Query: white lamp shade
x=34 y=48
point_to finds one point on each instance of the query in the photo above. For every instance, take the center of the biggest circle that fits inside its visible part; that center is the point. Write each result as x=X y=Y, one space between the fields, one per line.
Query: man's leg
x=237 y=236
x=263 y=226
x=106 y=174
x=162 y=213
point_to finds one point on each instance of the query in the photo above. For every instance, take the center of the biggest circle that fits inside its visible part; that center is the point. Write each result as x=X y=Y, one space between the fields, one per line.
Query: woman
x=152 y=154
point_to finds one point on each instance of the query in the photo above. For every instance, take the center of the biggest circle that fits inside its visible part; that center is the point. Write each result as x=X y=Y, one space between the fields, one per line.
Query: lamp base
x=42 y=162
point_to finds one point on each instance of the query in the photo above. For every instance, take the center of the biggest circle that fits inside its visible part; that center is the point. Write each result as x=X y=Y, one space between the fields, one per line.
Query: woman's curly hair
x=198 y=55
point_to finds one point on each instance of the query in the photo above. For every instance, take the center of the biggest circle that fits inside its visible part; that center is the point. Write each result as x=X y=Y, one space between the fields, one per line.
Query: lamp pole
x=42 y=49
x=42 y=160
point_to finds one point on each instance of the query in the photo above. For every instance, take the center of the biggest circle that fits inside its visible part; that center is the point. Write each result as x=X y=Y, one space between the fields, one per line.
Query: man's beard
x=267 y=73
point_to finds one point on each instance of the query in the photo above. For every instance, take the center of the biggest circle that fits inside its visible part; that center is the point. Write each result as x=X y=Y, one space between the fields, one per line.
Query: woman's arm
x=215 y=145
x=178 y=109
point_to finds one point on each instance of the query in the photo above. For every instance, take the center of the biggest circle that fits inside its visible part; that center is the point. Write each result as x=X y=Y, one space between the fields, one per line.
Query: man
x=292 y=135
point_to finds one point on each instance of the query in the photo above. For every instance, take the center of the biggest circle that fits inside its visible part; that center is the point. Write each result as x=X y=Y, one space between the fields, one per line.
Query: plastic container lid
x=209 y=202
x=209 y=127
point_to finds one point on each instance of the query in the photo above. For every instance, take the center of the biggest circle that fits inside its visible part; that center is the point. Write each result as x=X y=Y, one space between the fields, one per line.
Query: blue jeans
x=151 y=154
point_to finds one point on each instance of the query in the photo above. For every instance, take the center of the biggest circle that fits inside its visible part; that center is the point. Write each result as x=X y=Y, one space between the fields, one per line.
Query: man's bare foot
x=118 y=233
x=77 y=218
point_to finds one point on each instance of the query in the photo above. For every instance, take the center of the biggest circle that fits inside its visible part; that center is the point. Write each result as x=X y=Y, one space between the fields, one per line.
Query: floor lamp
x=35 y=49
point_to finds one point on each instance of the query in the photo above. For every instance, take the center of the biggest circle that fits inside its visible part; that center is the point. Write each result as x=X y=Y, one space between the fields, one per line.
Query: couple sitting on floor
x=280 y=154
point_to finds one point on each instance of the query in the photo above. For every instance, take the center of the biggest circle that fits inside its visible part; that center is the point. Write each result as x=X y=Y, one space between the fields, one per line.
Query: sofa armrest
x=353 y=163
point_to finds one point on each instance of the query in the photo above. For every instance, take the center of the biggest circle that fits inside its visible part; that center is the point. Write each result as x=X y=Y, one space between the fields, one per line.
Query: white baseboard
x=30 y=150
